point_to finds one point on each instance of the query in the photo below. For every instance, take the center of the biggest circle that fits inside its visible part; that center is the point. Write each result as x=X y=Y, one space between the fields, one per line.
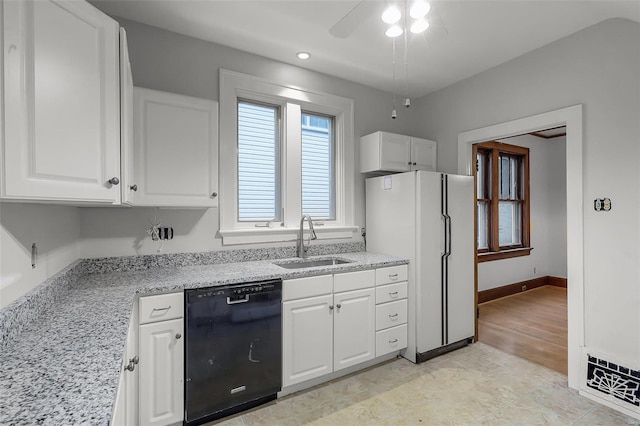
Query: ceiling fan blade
x=349 y=22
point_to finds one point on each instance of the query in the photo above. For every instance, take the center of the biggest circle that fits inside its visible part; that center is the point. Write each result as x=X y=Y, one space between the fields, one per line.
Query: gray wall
x=598 y=67
x=175 y=63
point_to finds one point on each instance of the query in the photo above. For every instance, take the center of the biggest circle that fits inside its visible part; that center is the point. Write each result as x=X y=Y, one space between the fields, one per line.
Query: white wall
x=548 y=195
x=597 y=67
x=54 y=229
x=171 y=62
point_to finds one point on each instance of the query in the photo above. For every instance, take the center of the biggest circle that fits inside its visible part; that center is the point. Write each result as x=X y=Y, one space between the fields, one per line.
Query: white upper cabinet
x=390 y=152
x=61 y=103
x=175 y=155
x=126 y=121
x=423 y=154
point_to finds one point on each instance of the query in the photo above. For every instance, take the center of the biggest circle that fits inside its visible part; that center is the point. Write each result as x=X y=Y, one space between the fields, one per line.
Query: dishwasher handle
x=236 y=300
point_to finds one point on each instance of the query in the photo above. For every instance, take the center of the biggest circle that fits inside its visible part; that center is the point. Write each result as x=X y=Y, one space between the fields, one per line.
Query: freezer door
x=460 y=297
x=430 y=248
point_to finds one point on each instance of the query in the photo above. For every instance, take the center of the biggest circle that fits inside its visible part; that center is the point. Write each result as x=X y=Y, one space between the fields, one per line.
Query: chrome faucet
x=300 y=249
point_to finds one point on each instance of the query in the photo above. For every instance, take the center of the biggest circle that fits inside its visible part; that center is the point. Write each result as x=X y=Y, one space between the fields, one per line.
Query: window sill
x=275 y=235
x=504 y=254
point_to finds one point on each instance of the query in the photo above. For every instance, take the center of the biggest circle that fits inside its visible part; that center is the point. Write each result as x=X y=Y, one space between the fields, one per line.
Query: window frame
x=292 y=101
x=493 y=150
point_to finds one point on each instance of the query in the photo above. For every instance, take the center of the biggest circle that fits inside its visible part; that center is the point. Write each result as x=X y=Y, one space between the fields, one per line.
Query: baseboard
x=558 y=282
x=509 y=289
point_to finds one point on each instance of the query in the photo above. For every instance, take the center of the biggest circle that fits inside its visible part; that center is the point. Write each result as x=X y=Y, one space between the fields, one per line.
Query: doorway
x=570 y=117
x=521 y=240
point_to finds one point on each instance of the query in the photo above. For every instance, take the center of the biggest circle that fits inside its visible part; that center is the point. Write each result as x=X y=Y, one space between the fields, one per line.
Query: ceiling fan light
x=420 y=25
x=391 y=15
x=393 y=31
x=419 y=9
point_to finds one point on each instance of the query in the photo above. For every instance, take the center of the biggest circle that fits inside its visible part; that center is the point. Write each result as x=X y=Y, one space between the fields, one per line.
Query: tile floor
x=476 y=385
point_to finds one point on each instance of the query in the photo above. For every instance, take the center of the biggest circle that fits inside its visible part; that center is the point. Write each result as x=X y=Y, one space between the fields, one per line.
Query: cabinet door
x=423 y=154
x=307 y=339
x=354 y=328
x=126 y=123
x=161 y=373
x=395 y=152
x=61 y=99
x=176 y=149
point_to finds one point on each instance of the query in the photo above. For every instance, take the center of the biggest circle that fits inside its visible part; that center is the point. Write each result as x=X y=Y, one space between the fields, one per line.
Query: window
x=258 y=162
x=318 y=191
x=502 y=200
x=284 y=152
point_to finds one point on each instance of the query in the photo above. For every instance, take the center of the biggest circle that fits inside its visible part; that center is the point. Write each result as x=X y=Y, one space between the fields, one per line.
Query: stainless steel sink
x=310 y=263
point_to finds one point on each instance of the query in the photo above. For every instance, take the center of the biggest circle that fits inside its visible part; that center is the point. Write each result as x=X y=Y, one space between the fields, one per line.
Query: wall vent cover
x=613 y=379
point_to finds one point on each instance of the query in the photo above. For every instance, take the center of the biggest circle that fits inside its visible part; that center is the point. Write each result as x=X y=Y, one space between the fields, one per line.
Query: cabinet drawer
x=391 y=292
x=391 y=340
x=161 y=307
x=354 y=280
x=391 y=274
x=299 y=288
x=391 y=314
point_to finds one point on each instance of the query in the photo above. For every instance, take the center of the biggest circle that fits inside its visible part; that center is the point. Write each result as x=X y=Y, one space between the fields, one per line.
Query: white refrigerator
x=428 y=217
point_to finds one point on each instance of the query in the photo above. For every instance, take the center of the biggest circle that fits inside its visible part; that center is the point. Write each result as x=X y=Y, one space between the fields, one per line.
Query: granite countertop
x=63 y=367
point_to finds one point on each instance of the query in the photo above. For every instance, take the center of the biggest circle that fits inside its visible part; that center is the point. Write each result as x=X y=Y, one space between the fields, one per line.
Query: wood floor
x=531 y=325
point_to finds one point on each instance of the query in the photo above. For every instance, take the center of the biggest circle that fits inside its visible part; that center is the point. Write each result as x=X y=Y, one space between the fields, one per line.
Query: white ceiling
x=465 y=38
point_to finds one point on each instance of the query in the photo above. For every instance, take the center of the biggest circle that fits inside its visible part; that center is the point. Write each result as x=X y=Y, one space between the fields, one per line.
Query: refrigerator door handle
x=445 y=235
x=449 y=236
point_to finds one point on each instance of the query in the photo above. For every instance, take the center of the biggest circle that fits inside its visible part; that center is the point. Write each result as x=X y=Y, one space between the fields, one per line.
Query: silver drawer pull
x=161 y=309
x=393 y=316
x=393 y=341
x=393 y=276
x=395 y=293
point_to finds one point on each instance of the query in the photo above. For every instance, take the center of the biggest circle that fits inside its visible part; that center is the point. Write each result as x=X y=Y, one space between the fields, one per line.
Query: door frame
x=572 y=118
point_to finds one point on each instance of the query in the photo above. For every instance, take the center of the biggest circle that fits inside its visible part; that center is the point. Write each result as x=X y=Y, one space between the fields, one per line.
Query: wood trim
x=504 y=254
x=557 y=281
x=510 y=289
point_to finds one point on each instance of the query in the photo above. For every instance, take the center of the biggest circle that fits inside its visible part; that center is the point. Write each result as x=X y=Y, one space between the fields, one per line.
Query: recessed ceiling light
x=303 y=55
x=419 y=9
x=391 y=15
x=419 y=26
x=393 y=31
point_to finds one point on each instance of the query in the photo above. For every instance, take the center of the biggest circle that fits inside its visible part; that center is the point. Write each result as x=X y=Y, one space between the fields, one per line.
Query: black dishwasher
x=233 y=348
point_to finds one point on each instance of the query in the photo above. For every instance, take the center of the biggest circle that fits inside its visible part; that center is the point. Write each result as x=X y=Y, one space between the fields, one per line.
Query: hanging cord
x=406 y=49
x=393 y=76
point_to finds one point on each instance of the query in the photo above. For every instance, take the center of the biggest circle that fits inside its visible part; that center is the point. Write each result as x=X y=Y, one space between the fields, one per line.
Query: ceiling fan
x=365 y=9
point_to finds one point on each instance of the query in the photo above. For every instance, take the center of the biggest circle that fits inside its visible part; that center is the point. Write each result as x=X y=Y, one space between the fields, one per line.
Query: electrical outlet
x=524 y=288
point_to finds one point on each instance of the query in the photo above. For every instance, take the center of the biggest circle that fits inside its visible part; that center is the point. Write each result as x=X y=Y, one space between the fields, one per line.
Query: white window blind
x=318 y=188
x=258 y=162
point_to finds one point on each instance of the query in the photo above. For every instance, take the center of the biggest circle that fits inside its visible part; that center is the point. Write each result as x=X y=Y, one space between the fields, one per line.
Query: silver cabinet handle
x=214 y=194
x=393 y=276
x=331 y=307
x=393 y=316
x=114 y=180
x=133 y=187
x=338 y=306
x=393 y=341
x=161 y=309
x=395 y=293
x=178 y=336
x=132 y=363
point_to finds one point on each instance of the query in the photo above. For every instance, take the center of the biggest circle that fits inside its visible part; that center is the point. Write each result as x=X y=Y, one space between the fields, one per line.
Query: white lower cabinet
x=307 y=339
x=354 y=328
x=324 y=331
x=160 y=388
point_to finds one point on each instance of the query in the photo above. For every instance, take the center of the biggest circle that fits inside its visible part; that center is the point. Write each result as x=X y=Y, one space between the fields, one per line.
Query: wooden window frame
x=493 y=150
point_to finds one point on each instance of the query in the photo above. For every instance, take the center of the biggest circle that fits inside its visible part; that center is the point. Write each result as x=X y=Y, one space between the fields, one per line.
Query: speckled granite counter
x=63 y=367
